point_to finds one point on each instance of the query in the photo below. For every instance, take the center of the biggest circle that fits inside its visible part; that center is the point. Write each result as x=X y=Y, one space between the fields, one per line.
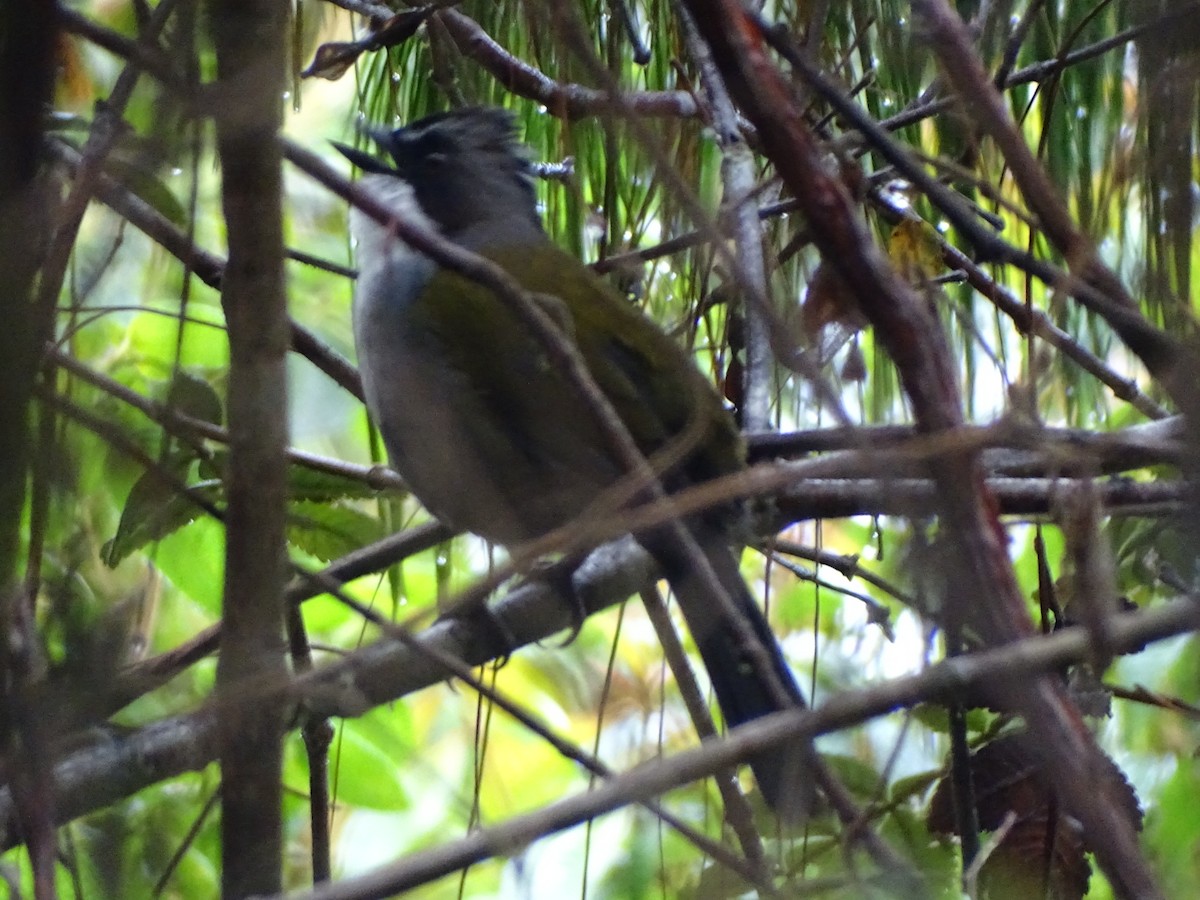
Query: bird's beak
x=364 y=161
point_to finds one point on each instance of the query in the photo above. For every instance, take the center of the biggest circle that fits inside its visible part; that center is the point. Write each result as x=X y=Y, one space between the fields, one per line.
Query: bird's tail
x=743 y=659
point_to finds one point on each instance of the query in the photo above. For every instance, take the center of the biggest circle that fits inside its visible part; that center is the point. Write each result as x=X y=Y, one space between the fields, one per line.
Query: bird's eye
x=433 y=148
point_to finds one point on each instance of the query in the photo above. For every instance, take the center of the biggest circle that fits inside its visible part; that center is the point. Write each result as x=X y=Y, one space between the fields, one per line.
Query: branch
x=1159 y=352
x=96 y=776
x=569 y=101
x=903 y=325
x=250 y=37
x=28 y=58
x=207 y=266
x=738 y=199
x=1009 y=448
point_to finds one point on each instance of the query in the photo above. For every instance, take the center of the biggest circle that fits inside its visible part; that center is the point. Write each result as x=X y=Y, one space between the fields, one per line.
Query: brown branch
x=903 y=325
x=250 y=37
x=317 y=734
x=206 y=266
x=28 y=57
x=738 y=198
x=570 y=101
x=1009 y=448
x=95 y=776
x=947 y=36
x=1021 y=662
x=877 y=613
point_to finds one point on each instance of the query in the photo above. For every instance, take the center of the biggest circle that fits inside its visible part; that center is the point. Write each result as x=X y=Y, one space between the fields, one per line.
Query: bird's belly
x=459 y=458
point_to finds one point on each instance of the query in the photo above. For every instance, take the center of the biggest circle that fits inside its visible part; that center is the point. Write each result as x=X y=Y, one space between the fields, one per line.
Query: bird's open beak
x=363 y=160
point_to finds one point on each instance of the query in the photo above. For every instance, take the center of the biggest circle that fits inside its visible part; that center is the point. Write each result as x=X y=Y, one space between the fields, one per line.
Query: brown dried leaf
x=400 y=27
x=733 y=384
x=854 y=368
x=1036 y=860
x=334 y=59
x=1007 y=779
x=1004 y=780
x=828 y=301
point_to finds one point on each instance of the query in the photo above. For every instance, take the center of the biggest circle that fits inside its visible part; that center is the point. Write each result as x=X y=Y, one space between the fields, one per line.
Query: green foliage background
x=424 y=770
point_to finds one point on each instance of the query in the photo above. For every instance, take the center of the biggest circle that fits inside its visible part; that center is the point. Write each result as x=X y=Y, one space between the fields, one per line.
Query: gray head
x=465 y=167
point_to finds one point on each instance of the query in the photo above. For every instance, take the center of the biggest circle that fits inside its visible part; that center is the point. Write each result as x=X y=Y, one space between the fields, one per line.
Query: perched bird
x=494 y=439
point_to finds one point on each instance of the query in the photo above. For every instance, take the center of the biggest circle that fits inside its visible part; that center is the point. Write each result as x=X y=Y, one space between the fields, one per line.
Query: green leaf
x=153 y=510
x=936 y=717
x=368 y=764
x=328 y=531
x=148 y=186
x=914 y=785
x=861 y=778
x=193 y=560
x=195 y=397
x=305 y=483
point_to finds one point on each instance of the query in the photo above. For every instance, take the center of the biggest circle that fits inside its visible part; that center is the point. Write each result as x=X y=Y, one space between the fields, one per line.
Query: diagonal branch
x=918 y=348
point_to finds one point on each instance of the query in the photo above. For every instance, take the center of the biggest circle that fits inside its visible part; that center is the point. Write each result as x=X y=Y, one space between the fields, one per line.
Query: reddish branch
x=988 y=600
x=902 y=325
x=947 y=36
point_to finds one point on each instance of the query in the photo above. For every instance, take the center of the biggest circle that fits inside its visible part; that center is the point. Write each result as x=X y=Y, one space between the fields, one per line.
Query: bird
x=491 y=436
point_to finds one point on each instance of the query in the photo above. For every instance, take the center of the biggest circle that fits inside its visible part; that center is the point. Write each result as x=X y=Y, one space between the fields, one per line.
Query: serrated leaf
x=305 y=483
x=1018 y=867
x=327 y=531
x=1007 y=779
x=153 y=510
